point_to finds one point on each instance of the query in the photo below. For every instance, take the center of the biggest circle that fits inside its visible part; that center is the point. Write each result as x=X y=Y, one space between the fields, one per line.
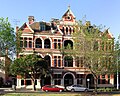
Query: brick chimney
x=31 y=19
x=17 y=28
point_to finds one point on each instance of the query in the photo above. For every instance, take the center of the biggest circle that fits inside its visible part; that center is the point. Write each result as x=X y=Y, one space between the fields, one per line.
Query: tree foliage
x=30 y=64
x=7 y=37
x=117 y=53
x=95 y=47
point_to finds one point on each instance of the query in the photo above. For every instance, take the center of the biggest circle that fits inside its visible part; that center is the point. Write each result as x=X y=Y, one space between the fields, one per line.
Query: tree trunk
x=95 y=80
x=34 y=87
x=33 y=81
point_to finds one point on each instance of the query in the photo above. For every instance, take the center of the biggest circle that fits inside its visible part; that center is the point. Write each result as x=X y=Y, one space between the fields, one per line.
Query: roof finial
x=68 y=7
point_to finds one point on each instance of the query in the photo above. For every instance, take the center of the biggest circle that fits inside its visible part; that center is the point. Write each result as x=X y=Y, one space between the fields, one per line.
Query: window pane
x=25 y=44
x=28 y=82
x=21 y=44
x=30 y=44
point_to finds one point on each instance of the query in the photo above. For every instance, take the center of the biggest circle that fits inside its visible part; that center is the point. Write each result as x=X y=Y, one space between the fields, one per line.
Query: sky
x=105 y=12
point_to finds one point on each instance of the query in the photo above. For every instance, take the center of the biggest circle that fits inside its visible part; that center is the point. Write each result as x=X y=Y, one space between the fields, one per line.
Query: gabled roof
x=26 y=24
x=69 y=12
x=35 y=26
x=108 y=33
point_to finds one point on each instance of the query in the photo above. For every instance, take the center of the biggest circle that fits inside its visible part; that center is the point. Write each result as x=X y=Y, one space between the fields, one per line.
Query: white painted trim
x=69 y=73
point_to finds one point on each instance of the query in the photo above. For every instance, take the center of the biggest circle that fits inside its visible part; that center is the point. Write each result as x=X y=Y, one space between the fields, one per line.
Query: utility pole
x=117 y=73
x=118 y=63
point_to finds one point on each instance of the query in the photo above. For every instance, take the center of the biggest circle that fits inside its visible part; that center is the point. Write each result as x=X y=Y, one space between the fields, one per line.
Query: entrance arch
x=90 y=81
x=68 y=79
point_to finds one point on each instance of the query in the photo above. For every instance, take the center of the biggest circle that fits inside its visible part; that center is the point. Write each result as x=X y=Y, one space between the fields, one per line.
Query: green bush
x=105 y=89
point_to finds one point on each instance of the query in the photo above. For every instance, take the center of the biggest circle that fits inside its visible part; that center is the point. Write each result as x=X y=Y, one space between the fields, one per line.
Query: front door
x=68 y=80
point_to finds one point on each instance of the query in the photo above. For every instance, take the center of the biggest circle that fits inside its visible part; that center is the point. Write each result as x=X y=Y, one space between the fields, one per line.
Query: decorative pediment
x=26 y=28
x=68 y=16
x=108 y=33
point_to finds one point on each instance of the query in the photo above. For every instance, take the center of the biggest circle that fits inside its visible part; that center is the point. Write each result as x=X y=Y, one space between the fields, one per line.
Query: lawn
x=38 y=94
x=57 y=94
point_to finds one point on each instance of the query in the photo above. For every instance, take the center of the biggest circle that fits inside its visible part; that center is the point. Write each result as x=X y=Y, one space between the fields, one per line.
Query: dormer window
x=42 y=27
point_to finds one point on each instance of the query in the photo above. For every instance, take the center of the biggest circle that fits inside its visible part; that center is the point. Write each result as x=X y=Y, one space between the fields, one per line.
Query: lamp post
x=117 y=75
x=88 y=80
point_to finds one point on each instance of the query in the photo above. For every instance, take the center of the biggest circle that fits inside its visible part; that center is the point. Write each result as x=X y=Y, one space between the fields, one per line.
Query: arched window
x=47 y=43
x=66 y=30
x=68 y=61
x=38 y=43
x=68 y=44
x=70 y=31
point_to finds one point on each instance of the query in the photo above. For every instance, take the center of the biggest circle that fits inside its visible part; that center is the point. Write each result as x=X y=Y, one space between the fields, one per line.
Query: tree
x=7 y=43
x=30 y=65
x=95 y=49
x=7 y=37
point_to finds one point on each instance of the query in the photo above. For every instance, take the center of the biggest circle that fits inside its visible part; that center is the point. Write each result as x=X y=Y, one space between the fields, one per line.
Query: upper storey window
x=68 y=18
x=47 y=43
x=42 y=27
x=38 y=43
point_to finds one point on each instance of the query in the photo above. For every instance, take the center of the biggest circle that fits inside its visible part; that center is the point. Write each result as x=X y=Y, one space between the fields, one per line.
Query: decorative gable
x=68 y=16
x=108 y=34
x=26 y=28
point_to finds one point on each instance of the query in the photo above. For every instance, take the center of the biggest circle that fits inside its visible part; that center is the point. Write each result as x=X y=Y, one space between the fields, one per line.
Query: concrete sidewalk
x=10 y=90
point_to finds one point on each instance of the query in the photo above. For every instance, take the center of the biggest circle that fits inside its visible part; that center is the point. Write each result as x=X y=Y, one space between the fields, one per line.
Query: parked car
x=52 y=88
x=60 y=86
x=73 y=88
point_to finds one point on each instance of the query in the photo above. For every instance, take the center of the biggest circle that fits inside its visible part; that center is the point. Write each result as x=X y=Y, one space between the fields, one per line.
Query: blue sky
x=105 y=12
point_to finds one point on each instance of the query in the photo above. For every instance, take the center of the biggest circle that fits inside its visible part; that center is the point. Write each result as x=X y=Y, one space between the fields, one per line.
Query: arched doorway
x=90 y=81
x=45 y=80
x=68 y=80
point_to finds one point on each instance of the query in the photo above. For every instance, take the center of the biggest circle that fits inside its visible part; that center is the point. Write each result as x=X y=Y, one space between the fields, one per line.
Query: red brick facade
x=45 y=39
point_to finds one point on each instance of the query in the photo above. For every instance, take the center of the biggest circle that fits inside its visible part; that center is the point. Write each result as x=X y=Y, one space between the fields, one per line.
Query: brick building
x=45 y=39
x=5 y=62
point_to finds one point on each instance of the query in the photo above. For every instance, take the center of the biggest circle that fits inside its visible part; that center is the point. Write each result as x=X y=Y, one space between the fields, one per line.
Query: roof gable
x=26 y=28
x=68 y=17
x=108 y=34
x=69 y=12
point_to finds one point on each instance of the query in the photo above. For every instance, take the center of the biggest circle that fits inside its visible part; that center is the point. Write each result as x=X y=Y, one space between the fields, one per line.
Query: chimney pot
x=31 y=19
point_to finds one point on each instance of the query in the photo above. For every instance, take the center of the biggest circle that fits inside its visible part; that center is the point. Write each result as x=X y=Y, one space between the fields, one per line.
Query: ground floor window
x=22 y=82
x=80 y=81
x=27 y=82
x=57 y=82
x=104 y=79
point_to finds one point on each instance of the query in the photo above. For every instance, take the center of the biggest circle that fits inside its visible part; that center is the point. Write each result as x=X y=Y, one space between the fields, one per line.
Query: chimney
x=17 y=28
x=31 y=19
